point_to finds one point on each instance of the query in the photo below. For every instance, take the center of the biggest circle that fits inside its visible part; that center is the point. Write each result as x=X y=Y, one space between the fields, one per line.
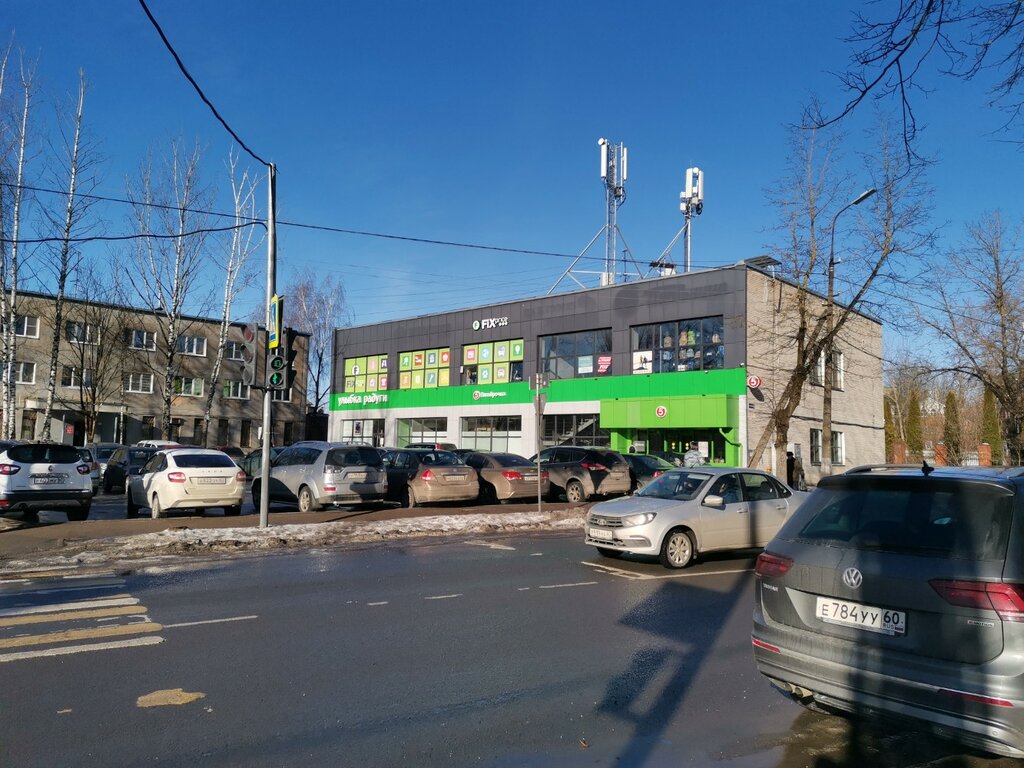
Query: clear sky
x=477 y=122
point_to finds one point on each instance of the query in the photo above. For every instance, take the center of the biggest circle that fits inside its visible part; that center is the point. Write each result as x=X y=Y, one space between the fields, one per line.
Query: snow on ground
x=216 y=541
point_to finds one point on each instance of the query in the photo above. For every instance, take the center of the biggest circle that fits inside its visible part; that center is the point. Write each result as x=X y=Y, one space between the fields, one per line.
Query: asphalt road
x=520 y=651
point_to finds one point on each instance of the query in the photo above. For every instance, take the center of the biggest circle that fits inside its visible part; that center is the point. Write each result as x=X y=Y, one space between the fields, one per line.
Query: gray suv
x=317 y=474
x=899 y=591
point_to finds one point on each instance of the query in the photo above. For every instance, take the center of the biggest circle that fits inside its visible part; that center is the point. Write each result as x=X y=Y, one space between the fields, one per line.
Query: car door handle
x=742 y=510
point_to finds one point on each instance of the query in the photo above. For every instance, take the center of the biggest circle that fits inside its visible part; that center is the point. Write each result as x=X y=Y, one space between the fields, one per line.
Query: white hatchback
x=186 y=478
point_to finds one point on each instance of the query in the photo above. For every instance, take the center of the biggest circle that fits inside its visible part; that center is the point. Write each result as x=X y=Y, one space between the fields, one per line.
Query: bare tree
x=978 y=310
x=240 y=247
x=169 y=261
x=317 y=305
x=66 y=259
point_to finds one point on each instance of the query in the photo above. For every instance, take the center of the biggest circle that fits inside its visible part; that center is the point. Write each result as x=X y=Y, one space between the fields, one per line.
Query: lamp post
x=829 y=346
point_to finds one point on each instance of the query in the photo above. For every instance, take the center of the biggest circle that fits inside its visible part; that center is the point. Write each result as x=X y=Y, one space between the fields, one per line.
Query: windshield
x=678 y=486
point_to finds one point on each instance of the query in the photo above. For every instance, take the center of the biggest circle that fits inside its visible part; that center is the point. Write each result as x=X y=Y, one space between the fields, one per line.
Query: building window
x=149 y=427
x=233 y=350
x=175 y=432
x=370 y=374
x=222 y=431
x=141 y=383
x=490 y=433
x=73 y=377
x=81 y=333
x=815 y=446
x=191 y=345
x=236 y=390
x=679 y=345
x=575 y=429
x=28 y=327
x=199 y=431
x=28 y=425
x=578 y=355
x=245 y=434
x=289 y=433
x=424 y=430
x=492 y=362
x=838 y=447
x=281 y=395
x=25 y=373
x=187 y=386
x=838 y=371
x=817 y=375
x=141 y=339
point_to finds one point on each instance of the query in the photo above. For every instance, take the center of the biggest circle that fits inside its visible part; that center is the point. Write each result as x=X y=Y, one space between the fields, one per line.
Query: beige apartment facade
x=110 y=378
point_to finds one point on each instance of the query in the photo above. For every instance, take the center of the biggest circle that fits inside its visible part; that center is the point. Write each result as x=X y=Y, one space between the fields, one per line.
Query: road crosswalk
x=76 y=614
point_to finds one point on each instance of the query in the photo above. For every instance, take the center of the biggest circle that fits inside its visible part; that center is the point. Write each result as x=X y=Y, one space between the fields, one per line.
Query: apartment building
x=110 y=378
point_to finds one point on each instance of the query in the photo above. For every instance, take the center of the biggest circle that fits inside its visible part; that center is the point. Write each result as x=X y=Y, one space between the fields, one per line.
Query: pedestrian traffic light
x=276 y=374
x=250 y=333
x=291 y=349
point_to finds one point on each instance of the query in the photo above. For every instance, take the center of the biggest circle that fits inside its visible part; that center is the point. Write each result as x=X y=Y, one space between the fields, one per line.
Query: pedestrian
x=693 y=457
x=790 y=467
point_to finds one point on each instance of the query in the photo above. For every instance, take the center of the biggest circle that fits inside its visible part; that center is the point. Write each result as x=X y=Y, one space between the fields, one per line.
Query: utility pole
x=268 y=411
x=540 y=397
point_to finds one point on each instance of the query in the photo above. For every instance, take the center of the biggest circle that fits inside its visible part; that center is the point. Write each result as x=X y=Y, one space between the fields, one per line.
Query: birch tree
x=317 y=305
x=167 y=266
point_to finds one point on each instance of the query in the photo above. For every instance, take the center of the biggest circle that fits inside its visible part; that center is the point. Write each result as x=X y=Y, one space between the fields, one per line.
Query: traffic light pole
x=268 y=415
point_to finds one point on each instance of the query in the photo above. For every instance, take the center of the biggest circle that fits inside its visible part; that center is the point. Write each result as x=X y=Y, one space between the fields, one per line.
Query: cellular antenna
x=691 y=202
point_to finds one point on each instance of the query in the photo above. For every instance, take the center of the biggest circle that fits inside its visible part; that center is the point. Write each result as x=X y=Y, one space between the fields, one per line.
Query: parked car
x=252 y=464
x=685 y=512
x=185 y=478
x=580 y=473
x=102 y=452
x=119 y=464
x=236 y=453
x=504 y=476
x=158 y=444
x=644 y=467
x=673 y=458
x=900 y=592
x=94 y=468
x=36 y=476
x=316 y=474
x=433 y=446
x=420 y=476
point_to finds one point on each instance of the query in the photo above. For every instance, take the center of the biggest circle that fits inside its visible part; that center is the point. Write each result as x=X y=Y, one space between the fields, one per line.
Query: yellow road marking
x=43 y=618
x=81 y=634
x=169 y=697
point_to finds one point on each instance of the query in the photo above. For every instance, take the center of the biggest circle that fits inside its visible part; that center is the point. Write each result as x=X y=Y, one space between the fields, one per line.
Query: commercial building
x=110 y=378
x=647 y=365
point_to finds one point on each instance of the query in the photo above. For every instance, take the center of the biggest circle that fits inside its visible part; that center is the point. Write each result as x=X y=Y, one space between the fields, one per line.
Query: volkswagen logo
x=852 y=578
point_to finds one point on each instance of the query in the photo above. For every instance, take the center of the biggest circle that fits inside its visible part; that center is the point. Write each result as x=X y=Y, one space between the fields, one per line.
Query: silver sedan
x=687 y=511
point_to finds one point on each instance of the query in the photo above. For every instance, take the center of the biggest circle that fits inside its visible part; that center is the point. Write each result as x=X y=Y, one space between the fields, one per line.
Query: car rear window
x=610 y=457
x=440 y=458
x=511 y=460
x=53 y=454
x=137 y=458
x=202 y=460
x=354 y=457
x=936 y=517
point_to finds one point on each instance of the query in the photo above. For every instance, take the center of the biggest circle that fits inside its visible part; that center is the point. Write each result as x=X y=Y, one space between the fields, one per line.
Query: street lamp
x=826 y=397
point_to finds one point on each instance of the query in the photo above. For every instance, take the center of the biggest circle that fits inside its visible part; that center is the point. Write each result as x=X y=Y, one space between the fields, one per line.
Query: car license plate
x=869 y=617
x=49 y=479
x=459 y=478
x=597 y=533
x=357 y=477
x=211 y=480
x=530 y=477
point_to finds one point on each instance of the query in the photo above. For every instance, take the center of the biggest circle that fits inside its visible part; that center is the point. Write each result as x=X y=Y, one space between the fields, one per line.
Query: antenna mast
x=691 y=201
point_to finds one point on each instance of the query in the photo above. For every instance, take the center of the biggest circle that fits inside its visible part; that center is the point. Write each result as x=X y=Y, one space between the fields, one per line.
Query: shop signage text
x=370 y=399
x=661 y=411
x=489 y=322
x=477 y=394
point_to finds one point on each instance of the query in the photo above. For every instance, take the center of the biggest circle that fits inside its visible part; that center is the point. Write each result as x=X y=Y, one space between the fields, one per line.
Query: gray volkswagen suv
x=899 y=591
x=316 y=474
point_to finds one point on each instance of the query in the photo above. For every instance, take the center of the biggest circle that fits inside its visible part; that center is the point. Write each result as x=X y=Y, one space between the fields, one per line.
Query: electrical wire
x=112 y=238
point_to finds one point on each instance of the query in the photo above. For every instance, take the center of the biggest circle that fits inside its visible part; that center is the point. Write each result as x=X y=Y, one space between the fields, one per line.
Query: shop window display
x=682 y=345
x=366 y=374
x=492 y=362
x=577 y=355
x=424 y=368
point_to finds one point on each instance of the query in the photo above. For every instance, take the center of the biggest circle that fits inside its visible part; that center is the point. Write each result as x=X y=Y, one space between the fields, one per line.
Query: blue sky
x=477 y=122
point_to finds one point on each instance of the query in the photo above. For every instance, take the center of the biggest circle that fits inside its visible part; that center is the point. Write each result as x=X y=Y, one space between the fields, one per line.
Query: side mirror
x=713 y=500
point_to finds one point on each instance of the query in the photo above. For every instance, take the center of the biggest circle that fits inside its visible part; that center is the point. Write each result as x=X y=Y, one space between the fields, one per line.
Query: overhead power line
x=137 y=236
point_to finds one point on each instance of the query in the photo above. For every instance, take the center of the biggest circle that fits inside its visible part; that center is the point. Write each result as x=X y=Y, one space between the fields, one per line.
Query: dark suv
x=580 y=473
x=899 y=591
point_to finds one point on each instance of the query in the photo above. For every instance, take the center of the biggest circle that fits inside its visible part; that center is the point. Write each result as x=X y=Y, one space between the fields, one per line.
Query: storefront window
x=422 y=430
x=576 y=355
x=490 y=433
x=682 y=345
x=363 y=431
x=575 y=429
x=492 y=362
x=366 y=374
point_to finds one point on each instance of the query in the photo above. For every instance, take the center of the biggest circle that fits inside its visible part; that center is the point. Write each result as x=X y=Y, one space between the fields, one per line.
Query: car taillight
x=975 y=697
x=83 y=469
x=509 y=474
x=772 y=566
x=9 y=469
x=427 y=475
x=657 y=472
x=176 y=477
x=594 y=467
x=766 y=646
x=543 y=474
x=1005 y=599
x=240 y=476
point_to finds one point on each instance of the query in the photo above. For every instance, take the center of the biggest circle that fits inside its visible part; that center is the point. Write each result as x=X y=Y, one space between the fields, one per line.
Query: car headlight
x=641 y=519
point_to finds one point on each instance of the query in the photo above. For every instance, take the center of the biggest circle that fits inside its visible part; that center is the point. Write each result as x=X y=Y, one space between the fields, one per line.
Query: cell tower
x=614 y=169
x=691 y=201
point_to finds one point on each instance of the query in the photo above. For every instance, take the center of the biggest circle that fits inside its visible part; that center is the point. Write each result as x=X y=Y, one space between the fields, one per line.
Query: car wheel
x=574 y=492
x=612 y=553
x=155 y=508
x=408 y=498
x=677 y=549
x=131 y=508
x=307 y=501
x=233 y=511
x=487 y=494
x=77 y=515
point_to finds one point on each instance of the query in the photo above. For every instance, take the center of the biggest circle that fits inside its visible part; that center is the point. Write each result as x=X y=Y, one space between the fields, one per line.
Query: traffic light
x=276 y=374
x=250 y=333
x=291 y=349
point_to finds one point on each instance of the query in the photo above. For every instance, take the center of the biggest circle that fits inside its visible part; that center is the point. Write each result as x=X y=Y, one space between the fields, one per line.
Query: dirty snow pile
x=207 y=541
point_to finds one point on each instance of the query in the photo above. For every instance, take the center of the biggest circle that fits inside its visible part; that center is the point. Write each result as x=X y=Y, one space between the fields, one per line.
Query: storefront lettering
x=477 y=394
x=489 y=322
x=371 y=399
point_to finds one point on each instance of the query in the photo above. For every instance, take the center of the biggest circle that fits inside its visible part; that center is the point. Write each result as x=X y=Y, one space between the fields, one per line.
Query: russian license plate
x=532 y=478
x=211 y=480
x=597 y=533
x=459 y=478
x=52 y=479
x=357 y=477
x=869 y=617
